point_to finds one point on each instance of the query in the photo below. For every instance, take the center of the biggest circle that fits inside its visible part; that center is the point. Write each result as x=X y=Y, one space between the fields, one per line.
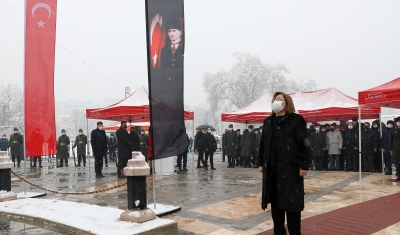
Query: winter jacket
x=394 y=144
x=199 y=141
x=123 y=144
x=98 y=141
x=369 y=141
x=63 y=146
x=210 y=143
x=385 y=138
x=15 y=143
x=284 y=150
x=143 y=144
x=318 y=143
x=247 y=144
x=350 y=141
x=134 y=142
x=334 y=142
x=230 y=143
x=3 y=144
x=81 y=142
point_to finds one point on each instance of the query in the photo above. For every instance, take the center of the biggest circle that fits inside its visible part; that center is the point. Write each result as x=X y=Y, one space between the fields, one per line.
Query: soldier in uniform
x=143 y=144
x=62 y=147
x=15 y=144
x=173 y=51
x=81 y=142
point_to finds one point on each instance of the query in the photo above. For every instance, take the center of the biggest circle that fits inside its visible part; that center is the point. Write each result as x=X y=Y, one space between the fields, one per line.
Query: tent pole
x=359 y=142
x=87 y=146
x=154 y=189
x=380 y=124
x=193 y=145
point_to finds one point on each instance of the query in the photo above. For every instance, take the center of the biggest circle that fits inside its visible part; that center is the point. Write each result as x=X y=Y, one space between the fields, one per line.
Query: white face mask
x=277 y=106
x=390 y=126
x=317 y=128
x=15 y=132
x=350 y=127
x=100 y=128
x=375 y=126
x=142 y=133
x=209 y=131
x=62 y=133
x=80 y=133
x=251 y=130
x=230 y=129
x=256 y=132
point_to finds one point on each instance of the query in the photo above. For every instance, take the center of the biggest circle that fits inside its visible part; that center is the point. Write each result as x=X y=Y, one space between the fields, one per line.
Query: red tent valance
x=385 y=95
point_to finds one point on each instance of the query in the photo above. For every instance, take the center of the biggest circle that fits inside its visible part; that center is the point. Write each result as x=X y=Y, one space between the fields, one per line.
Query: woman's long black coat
x=293 y=147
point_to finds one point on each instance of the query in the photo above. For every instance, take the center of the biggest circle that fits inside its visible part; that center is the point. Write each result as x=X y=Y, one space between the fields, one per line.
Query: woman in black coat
x=284 y=160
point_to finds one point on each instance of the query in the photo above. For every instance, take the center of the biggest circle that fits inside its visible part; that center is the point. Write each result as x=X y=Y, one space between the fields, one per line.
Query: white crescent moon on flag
x=41 y=5
x=157 y=18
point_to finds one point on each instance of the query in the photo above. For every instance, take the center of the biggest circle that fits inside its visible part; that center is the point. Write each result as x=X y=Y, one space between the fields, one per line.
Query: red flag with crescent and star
x=39 y=111
x=157 y=37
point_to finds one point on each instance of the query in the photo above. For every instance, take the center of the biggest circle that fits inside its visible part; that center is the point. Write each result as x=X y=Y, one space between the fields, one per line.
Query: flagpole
x=24 y=134
x=150 y=97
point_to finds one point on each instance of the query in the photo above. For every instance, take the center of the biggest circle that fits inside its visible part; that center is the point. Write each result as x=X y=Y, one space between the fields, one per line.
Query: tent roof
x=134 y=108
x=385 y=95
x=321 y=105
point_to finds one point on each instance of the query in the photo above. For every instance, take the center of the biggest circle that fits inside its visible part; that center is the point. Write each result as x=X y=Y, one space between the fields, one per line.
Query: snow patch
x=135 y=214
x=137 y=202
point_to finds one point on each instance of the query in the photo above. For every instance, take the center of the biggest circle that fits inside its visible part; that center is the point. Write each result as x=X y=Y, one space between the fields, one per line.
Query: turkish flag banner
x=39 y=111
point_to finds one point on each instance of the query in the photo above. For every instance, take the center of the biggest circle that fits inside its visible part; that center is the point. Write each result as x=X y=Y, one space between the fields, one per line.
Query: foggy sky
x=351 y=45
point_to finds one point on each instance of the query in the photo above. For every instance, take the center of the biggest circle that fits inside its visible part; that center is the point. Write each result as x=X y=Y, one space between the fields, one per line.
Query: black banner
x=165 y=51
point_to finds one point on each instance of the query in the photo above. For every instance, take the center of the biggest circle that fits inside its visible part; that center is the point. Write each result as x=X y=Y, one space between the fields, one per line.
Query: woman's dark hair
x=288 y=100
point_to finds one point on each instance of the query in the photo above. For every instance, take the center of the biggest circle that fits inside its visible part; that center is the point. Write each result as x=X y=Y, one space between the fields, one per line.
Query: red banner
x=40 y=36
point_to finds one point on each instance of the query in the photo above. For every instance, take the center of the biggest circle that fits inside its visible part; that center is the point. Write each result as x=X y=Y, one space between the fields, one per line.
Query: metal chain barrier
x=70 y=193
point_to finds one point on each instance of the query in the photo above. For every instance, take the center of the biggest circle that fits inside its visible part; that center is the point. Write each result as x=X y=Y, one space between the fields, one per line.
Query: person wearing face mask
x=62 y=147
x=247 y=144
x=377 y=155
x=334 y=144
x=3 y=143
x=80 y=142
x=143 y=143
x=112 y=144
x=394 y=146
x=238 y=157
x=284 y=159
x=210 y=148
x=257 y=141
x=369 y=146
x=350 y=145
x=123 y=146
x=98 y=140
x=230 y=145
x=317 y=140
x=385 y=146
x=199 y=145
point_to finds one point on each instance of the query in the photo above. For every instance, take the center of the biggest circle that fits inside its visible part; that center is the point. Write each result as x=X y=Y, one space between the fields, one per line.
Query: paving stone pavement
x=224 y=201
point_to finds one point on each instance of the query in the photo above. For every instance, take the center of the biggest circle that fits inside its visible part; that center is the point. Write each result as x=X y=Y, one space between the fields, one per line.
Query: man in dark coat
x=222 y=144
x=231 y=145
x=369 y=146
x=15 y=143
x=210 y=148
x=112 y=144
x=256 y=146
x=173 y=51
x=4 y=143
x=62 y=147
x=199 y=145
x=318 y=143
x=123 y=149
x=350 y=145
x=183 y=156
x=238 y=157
x=143 y=144
x=247 y=144
x=81 y=142
x=378 y=154
x=394 y=146
x=134 y=142
x=385 y=146
x=284 y=160
x=98 y=140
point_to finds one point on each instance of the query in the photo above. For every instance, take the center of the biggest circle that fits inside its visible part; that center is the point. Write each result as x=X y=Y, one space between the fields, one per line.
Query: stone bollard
x=136 y=171
x=5 y=178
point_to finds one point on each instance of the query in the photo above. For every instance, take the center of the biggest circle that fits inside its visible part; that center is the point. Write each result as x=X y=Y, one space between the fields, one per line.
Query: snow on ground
x=92 y=218
x=162 y=209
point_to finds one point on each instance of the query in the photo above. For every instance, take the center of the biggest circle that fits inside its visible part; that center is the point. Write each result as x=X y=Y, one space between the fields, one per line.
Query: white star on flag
x=41 y=24
x=155 y=59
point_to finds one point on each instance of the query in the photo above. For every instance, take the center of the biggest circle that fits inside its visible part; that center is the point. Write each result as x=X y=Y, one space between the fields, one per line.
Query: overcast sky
x=351 y=45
